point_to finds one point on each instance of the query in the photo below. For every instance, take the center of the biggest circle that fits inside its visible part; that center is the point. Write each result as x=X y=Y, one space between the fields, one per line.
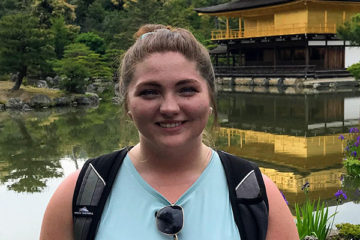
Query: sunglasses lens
x=169 y=220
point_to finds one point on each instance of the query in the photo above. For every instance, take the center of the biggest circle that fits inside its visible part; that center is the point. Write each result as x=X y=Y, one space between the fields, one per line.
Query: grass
x=25 y=92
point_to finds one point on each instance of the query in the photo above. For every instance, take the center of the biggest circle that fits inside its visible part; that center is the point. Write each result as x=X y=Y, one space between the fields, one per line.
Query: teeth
x=170 y=125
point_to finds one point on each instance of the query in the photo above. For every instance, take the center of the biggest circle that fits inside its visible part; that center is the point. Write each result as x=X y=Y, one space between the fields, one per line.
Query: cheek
x=141 y=112
x=201 y=111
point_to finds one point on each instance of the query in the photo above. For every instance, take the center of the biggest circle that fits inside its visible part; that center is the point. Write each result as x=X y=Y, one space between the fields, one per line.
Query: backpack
x=246 y=191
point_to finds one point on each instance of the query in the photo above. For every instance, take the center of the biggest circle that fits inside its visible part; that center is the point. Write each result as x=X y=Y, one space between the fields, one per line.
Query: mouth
x=170 y=124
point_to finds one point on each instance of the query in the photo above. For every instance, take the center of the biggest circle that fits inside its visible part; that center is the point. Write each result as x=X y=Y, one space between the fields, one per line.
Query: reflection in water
x=32 y=143
x=295 y=115
x=294 y=139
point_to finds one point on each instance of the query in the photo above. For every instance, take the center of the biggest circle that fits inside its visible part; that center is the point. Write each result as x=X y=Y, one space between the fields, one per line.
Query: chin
x=174 y=143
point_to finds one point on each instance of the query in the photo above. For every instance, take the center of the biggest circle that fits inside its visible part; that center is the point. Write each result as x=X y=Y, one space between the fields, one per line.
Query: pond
x=293 y=137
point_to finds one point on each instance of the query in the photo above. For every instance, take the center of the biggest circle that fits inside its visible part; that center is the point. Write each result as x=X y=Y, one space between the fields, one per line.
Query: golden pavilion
x=294 y=36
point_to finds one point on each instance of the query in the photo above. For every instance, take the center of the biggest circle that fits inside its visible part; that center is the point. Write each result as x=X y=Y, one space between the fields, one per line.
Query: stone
x=56 y=80
x=90 y=99
x=14 y=103
x=243 y=88
x=42 y=84
x=116 y=89
x=290 y=81
x=2 y=107
x=116 y=100
x=243 y=81
x=310 y=238
x=91 y=88
x=82 y=101
x=26 y=107
x=49 y=80
x=93 y=97
x=260 y=81
x=316 y=85
x=100 y=90
x=273 y=81
x=40 y=101
x=62 y=101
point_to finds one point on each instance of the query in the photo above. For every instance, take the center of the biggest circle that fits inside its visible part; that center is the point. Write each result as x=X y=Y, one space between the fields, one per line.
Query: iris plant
x=352 y=152
x=312 y=217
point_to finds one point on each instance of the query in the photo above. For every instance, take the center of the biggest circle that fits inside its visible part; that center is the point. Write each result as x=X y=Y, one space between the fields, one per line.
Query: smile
x=170 y=125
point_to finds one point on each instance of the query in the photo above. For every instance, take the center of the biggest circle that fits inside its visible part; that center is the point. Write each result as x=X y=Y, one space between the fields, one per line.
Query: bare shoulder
x=57 y=221
x=281 y=222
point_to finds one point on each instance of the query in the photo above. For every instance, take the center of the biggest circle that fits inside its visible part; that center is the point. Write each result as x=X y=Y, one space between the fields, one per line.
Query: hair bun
x=149 y=28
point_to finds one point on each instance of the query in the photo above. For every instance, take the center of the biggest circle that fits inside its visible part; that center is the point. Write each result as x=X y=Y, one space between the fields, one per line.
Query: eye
x=148 y=93
x=188 y=91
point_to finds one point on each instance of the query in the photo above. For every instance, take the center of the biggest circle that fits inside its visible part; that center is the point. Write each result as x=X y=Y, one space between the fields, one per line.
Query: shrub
x=93 y=41
x=349 y=231
x=74 y=77
x=91 y=65
x=355 y=70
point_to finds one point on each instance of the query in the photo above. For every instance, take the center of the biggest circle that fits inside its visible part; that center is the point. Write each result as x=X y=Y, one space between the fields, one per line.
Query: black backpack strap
x=91 y=191
x=247 y=196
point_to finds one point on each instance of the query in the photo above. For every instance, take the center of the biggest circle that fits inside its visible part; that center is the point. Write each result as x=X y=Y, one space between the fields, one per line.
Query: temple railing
x=289 y=29
x=265 y=71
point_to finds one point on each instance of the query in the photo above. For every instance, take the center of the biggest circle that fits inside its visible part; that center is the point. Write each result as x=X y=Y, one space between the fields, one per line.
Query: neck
x=192 y=157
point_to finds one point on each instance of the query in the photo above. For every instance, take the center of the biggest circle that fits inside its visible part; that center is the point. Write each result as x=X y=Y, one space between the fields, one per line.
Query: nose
x=169 y=106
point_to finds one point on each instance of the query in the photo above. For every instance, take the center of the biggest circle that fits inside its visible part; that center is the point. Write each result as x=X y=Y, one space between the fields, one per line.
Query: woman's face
x=168 y=100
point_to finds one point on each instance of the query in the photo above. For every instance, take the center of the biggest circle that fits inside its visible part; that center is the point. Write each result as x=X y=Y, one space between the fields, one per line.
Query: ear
x=130 y=115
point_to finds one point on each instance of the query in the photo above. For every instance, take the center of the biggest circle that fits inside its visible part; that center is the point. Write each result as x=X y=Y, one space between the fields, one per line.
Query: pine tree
x=23 y=45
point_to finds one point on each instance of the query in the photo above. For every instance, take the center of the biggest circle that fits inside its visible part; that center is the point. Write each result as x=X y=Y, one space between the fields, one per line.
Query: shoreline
x=28 y=98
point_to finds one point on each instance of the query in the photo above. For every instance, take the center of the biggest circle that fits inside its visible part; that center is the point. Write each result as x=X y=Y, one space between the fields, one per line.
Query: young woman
x=167 y=82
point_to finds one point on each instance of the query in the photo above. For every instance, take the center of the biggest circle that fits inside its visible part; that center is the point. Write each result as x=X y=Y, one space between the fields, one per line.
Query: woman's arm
x=281 y=222
x=57 y=222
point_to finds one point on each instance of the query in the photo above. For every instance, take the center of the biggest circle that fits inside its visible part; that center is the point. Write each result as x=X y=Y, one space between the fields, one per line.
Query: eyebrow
x=186 y=81
x=150 y=84
x=157 y=85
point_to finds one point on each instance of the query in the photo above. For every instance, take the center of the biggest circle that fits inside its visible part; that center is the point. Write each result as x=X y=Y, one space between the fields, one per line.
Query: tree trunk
x=19 y=79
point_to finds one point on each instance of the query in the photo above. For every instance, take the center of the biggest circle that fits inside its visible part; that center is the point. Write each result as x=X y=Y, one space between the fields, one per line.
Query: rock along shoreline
x=39 y=101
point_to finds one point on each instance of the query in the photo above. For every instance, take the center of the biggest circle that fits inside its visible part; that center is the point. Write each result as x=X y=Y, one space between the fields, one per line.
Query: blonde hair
x=155 y=38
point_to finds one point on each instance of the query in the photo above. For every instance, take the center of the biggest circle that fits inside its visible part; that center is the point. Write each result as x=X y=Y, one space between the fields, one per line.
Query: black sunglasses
x=170 y=220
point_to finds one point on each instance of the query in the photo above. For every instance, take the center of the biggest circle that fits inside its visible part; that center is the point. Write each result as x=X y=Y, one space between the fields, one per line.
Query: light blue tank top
x=129 y=213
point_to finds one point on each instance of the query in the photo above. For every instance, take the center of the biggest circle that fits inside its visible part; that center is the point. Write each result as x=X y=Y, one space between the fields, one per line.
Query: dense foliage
x=35 y=34
x=350 y=31
x=348 y=231
x=24 y=46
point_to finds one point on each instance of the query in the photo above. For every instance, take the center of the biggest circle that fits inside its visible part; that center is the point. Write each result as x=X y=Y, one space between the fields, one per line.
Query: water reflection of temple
x=295 y=115
x=300 y=153
x=290 y=161
x=294 y=139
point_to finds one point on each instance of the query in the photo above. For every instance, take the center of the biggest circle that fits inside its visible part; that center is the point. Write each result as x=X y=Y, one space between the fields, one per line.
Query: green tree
x=95 y=16
x=63 y=35
x=24 y=46
x=8 y=7
x=91 y=65
x=48 y=9
x=93 y=41
x=74 y=76
x=350 y=30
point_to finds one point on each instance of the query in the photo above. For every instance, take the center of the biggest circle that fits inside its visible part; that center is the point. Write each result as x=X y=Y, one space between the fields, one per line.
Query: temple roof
x=247 y=4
